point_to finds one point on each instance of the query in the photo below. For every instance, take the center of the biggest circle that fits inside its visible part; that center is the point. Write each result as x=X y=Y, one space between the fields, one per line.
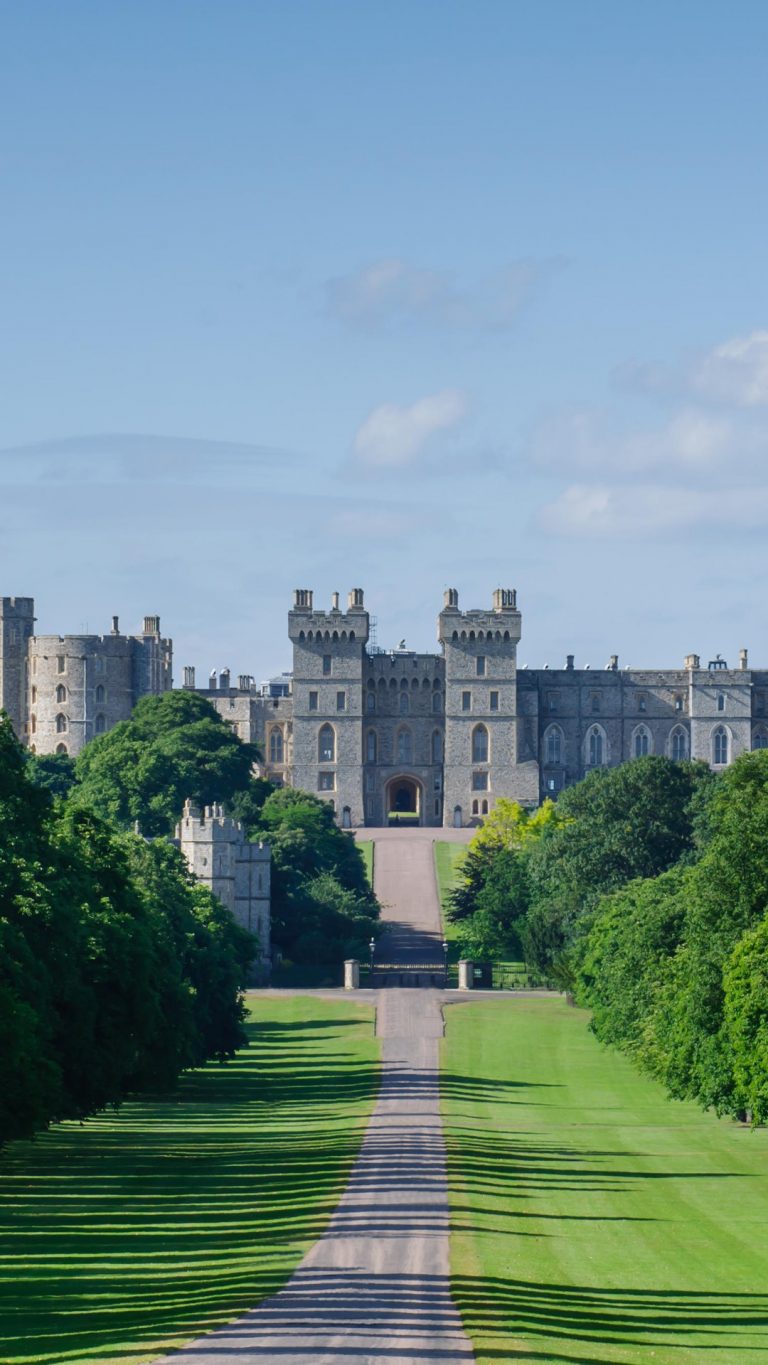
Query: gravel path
x=375 y=1287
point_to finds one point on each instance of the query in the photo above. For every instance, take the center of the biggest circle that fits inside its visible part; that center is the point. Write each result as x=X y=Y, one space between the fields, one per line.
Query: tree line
x=644 y=892
x=118 y=970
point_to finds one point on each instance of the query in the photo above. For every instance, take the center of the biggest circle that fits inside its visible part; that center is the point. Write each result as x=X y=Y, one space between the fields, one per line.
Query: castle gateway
x=439 y=738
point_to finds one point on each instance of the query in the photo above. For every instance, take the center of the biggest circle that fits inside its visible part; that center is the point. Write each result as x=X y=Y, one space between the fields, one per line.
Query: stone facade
x=220 y=856
x=62 y=690
x=441 y=736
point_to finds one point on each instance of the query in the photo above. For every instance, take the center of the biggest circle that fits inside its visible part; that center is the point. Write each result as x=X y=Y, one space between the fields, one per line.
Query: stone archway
x=404 y=798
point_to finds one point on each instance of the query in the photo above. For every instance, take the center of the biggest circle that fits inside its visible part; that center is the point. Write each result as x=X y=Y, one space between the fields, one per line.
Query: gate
x=405 y=974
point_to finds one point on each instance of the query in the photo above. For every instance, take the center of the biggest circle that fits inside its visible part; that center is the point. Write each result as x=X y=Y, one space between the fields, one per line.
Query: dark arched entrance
x=404 y=799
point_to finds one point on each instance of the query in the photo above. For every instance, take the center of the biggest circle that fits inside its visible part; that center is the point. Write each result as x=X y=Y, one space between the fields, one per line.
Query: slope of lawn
x=137 y=1230
x=448 y=859
x=366 y=847
x=592 y=1218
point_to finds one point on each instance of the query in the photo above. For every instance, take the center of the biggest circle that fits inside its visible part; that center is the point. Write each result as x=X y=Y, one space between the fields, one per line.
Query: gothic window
x=484 y=809
x=437 y=747
x=371 y=702
x=720 y=701
x=596 y=747
x=100 y=692
x=276 y=746
x=475 y=807
x=437 y=701
x=405 y=703
x=101 y=724
x=61 y=693
x=678 y=703
x=326 y=744
x=553 y=747
x=720 y=746
x=479 y=744
x=404 y=746
x=61 y=724
x=678 y=747
x=61 y=748
x=61 y=663
x=480 y=664
x=370 y=747
x=759 y=739
x=641 y=742
x=480 y=782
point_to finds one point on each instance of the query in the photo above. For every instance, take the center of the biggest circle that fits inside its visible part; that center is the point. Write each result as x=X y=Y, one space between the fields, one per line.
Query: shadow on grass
x=177 y=1213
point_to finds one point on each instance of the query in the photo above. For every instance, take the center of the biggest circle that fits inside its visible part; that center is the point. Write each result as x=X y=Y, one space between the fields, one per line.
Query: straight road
x=404 y=881
x=375 y=1289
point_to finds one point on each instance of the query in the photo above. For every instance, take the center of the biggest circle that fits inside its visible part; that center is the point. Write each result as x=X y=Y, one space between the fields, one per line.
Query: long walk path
x=405 y=883
x=375 y=1288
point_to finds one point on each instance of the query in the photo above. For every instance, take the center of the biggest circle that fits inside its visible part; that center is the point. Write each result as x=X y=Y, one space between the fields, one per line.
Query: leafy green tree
x=175 y=746
x=323 y=908
x=54 y=772
x=746 y=1022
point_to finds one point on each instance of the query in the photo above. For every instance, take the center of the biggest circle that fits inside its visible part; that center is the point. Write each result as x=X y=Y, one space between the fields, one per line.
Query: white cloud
x=390 y=292
x=735 y=372
x=595 y=511
x=692 y=442
x=394 y=436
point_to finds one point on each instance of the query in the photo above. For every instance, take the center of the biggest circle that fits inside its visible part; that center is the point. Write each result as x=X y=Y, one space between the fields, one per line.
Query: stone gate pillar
x=466 y=975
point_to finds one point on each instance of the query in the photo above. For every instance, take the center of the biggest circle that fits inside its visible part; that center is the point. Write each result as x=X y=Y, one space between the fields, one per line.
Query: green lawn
x=593 y=1219
x=448 y=859
x=366 y=848
x=134 y=1232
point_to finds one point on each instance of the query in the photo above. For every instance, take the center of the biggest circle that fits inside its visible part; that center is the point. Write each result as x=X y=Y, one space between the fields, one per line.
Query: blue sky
x=400 y=296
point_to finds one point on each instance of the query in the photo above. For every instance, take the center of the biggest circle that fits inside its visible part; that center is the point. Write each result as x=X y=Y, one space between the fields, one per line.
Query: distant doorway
x=403 y=801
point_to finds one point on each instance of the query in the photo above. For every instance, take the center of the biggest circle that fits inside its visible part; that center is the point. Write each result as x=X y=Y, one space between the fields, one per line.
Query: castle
x=220 y=856
x=439 y=737
x=431 y=737
x=60 y=691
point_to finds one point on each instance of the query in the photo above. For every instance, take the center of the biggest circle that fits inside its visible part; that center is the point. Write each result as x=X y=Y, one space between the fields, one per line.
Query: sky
x=400 y=296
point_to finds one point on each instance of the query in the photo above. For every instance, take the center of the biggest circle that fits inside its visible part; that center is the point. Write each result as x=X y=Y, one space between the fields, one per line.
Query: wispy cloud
x=693 y=442
x=393 y=293
x=120 y=457
x=394 y=436
x=600 y=511
x=733 y=374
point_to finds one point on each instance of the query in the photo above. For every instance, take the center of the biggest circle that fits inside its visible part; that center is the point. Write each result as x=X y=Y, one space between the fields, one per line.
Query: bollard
x=466 y=977
x=351 y=974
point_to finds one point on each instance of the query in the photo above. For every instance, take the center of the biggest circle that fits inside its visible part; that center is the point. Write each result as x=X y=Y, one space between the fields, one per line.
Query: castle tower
x=482 y=761
x=17 y=622
x=236 y=871
x=328 y=661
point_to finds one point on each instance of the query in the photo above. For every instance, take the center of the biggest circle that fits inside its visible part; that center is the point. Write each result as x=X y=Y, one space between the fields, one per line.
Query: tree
x=746 y=1022
x=54 y=772
x=175 y=746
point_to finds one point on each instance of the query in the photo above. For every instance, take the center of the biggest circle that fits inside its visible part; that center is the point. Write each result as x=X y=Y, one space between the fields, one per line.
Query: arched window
x=61 y=748
x=553 y=747
x=404 y=746
x=100 y=692
x=641 y=742
x=101 y=724
x=678 y=744
x=484 y=808
x=405 y=703
x=596 y=747
x=61 y=693
x=370 y=702
x=326 y=745
x=759 y=739
x=276 y=745
x=720 y=746
x=61 y=724
x=479 y=744
x=437 y=701
x=475 y=807
x=437 y=747
x=33 y=724
x=370 y=747
x=720 y=701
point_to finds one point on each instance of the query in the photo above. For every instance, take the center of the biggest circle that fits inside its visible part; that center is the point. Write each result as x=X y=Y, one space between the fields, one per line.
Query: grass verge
x=138 y=1230
x=366 y=847
x=448 y=860
x=592 y=1218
